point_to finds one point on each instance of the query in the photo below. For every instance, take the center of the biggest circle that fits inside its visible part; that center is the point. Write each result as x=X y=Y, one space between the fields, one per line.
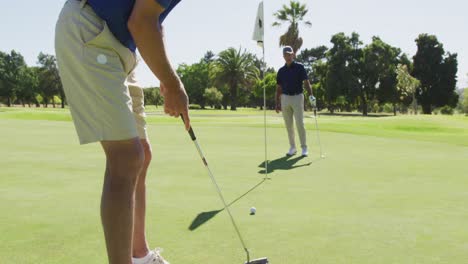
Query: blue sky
x=196 y=26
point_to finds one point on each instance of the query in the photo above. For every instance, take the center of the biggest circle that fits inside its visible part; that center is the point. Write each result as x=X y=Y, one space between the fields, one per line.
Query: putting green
x=390 y=190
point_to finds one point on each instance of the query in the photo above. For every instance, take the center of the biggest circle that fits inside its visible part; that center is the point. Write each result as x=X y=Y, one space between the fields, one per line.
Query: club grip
x=191 y=133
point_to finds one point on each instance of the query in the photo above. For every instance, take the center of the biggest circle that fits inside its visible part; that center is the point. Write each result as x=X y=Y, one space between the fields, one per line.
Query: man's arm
x=278 y=98
x=307 y=87
x=147 y=33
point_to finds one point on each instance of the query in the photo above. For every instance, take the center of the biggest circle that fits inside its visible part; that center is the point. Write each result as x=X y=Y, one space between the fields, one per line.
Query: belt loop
x=83 y=3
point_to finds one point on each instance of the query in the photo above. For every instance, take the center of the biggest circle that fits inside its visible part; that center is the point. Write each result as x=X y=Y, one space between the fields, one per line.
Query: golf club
x=318 y=133
x=194 y=139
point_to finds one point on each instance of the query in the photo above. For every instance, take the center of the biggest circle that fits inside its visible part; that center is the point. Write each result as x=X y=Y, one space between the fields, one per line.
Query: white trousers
x=292 y=107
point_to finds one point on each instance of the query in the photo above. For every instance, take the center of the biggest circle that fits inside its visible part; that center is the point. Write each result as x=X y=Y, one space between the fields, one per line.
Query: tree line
x=348 y=76
x=21 y=84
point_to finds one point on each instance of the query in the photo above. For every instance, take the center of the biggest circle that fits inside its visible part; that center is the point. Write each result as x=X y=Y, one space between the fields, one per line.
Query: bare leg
x=124 y=162
x=140 y=245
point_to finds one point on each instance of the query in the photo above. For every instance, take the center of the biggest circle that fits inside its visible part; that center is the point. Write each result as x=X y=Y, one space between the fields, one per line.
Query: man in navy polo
x=95 y=44
x=291 y=79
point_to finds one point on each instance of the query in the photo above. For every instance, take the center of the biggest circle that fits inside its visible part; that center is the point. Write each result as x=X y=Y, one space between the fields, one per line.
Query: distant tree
x=11 y=67
x=291 y=15
x=448 y=81
x=236 y=69
x=224 y=89
x=261 y=66
x=269 y=84
x=153 y=96
x=213 y=97
x=343 y=70
x=404 y=60
x=319 y=82
x=28 y=86
x=3 y=88
x=310 y=56
x=311 y=59
x=407 y=85
x=380 y=61
x=209 y=57
x=197 y=77
x=465 y=101
x=437 y=72
x=49 y=80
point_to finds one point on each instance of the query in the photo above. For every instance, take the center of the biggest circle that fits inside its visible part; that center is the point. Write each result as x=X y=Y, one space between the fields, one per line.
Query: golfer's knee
x=125 y=159
x=134 y=161
x=123 y=174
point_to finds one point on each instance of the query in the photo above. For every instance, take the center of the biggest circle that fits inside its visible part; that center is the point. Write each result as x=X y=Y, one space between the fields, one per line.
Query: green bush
x=57 y=100
x=388 y=108
x=446 y=110
x=194 y=106
x=153 y=96
x=213 y=97
x=375 y=108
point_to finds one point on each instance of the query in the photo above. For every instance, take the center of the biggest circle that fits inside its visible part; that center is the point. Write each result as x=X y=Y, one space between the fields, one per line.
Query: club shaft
x=318 y=132
x=192 y=135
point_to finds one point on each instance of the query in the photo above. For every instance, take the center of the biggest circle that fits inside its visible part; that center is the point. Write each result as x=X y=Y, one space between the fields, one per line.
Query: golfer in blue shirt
x=291 y=79
x=95 y=45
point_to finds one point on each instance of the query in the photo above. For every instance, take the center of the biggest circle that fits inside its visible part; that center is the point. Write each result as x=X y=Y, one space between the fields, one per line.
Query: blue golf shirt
x=291 y=78
x=117 y=12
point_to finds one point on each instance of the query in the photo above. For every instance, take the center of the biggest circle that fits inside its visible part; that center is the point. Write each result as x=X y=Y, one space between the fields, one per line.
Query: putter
x=194 y=139
x=318 y=133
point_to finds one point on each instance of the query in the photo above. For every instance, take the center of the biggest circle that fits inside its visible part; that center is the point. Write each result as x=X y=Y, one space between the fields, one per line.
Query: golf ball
x=253 y=210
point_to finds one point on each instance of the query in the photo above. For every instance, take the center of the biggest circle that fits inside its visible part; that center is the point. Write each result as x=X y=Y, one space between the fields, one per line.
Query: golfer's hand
x=278 y=107
x=176 y=101
x=313 y=101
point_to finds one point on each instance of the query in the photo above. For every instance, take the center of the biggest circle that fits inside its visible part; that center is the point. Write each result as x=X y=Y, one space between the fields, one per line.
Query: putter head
x=258 y=261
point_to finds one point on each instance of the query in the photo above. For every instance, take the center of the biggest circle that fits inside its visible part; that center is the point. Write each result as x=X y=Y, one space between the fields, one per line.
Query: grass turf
x=391 y=190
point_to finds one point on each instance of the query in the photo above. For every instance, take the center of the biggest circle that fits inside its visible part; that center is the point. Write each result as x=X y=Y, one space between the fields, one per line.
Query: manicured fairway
x=390 y=190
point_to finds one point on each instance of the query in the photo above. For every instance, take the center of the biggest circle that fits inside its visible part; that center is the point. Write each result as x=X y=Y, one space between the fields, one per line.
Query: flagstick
x=264 y=112
x=258 y=36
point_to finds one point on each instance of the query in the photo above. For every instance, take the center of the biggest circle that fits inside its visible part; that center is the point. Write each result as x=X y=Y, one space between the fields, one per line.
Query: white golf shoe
x=156 y=257
x=305 y=152
x=292 y=151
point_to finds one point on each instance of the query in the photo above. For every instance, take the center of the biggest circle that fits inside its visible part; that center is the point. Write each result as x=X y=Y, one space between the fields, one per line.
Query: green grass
x=391 y=190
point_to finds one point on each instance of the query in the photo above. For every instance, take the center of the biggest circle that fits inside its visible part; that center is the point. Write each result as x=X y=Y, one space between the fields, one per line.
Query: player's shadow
x=204 y=217
x=284 y=163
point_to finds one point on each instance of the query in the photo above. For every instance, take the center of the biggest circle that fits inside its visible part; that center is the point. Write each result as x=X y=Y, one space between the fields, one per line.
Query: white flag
x=259 y=26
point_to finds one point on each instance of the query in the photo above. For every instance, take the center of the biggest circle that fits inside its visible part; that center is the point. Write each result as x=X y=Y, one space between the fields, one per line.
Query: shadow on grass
x=204 y=217
x=345 y=114
x=283 y=163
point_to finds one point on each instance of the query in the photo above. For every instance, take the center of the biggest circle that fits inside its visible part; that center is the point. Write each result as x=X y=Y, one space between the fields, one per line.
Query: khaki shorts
x=97 y=76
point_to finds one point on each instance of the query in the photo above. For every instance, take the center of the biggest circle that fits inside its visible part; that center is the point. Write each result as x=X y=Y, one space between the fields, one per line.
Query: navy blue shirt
x=117 y=12
x=291 y=78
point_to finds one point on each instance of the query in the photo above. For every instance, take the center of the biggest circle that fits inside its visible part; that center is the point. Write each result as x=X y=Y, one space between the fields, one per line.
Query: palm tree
x=235 y=68
x=293 y=15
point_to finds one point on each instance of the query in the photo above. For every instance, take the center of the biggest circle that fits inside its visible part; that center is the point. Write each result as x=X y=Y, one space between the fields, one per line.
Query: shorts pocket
x=91 y=25
x=100 y=59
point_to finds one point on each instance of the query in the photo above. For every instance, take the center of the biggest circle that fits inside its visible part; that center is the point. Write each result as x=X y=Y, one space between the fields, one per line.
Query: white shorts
x=96 y=73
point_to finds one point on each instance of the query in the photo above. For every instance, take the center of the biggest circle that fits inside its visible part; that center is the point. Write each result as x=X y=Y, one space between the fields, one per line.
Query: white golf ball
x=253 y=210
